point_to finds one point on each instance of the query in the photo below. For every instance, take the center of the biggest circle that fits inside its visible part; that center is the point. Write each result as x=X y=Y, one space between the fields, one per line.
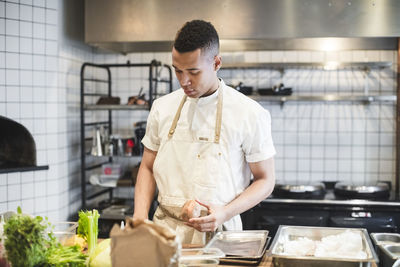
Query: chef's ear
x=217 y=62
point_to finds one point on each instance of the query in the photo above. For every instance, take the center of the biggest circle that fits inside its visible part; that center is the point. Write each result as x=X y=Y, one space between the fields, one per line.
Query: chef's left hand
x=216 y=217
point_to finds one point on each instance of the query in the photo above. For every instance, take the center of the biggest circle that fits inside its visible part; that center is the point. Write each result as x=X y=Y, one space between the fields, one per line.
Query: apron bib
x=187 y=167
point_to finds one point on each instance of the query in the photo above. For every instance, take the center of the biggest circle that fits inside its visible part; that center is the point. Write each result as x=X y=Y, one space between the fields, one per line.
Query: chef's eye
x=178 y=71
x=194 y=72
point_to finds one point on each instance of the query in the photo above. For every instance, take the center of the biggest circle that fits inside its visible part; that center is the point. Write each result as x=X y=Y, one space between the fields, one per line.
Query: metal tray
x=240 y=260
x=247 y=244
x=316 y=233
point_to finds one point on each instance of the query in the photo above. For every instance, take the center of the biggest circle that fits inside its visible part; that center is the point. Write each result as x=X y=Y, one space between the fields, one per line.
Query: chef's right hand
x=216 y=217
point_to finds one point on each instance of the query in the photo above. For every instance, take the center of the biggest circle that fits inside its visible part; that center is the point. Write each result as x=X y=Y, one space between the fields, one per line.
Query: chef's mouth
x=189 y=91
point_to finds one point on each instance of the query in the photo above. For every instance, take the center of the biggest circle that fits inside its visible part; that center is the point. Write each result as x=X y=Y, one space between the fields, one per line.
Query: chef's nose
x=185 y=80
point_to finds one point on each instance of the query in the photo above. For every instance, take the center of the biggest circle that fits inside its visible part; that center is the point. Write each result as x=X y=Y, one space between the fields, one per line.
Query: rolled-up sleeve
x=257 y=144
x=151 y=140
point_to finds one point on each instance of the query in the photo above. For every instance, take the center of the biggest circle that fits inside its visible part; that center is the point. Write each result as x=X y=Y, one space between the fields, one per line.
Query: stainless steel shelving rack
x=292 y=65
x=153 y=78
x=365 y=98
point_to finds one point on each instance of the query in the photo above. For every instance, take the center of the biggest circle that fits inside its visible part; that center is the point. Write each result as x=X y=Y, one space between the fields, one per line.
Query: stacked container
x=387 y=245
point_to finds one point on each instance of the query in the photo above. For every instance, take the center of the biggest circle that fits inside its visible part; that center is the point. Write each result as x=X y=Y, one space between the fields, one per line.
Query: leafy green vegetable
x=25 y=243
x=101 y=255
x=59 y=256
x=88 y=228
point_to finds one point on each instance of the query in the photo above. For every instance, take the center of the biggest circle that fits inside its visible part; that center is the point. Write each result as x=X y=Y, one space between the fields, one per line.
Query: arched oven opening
x=17 y=147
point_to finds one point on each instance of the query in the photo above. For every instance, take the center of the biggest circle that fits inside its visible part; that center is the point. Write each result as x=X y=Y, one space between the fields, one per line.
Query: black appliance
x=376 y=213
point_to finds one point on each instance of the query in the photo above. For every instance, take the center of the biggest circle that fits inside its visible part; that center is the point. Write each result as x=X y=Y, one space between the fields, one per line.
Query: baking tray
x=240 y=260
x=247 y=244
x=286 y=232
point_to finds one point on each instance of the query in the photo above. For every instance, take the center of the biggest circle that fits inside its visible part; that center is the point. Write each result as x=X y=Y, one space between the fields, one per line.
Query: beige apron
x=187 y=167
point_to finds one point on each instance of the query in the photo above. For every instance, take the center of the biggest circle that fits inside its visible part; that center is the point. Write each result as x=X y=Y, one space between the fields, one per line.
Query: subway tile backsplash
x=39 y=71
x=40 y=88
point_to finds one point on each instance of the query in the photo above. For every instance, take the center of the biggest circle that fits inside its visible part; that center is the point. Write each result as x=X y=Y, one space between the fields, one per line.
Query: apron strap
x=218 y=120
x=177 y=115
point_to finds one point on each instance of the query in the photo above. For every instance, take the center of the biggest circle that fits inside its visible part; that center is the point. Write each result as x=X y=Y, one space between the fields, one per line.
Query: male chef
x=204 y=142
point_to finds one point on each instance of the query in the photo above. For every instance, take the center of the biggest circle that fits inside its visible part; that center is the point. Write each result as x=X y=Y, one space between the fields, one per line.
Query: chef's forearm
x=261 y=188
x=145 y=185
x=144 y=194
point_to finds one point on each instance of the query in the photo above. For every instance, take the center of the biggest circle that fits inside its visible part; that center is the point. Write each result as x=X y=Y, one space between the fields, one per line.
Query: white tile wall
x=30 y=93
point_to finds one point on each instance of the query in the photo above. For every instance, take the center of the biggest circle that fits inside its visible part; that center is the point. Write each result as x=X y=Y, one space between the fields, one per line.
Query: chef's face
x=196 y=72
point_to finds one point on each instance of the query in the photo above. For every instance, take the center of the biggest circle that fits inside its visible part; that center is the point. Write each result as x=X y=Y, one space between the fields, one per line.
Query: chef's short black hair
x=197 y=34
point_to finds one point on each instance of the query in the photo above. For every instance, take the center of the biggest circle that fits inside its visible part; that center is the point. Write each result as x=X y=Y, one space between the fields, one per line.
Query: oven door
x=372 y=221
x=270 y=220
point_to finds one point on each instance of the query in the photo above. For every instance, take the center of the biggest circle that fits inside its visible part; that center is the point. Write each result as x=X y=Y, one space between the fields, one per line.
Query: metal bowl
x=379 y=190
x=315 y=191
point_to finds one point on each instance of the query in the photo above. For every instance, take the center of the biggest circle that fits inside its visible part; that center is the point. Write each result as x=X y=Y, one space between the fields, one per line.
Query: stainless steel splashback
x=137 y=25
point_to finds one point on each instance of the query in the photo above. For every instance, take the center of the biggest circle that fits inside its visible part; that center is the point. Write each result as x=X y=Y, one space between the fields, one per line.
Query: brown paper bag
x=143 y=243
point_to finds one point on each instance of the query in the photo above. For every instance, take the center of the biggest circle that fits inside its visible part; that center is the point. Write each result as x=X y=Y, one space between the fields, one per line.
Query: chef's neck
x=213 y=88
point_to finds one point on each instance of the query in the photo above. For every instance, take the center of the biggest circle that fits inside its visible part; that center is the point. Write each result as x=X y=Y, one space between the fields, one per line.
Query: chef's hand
x=216 y=217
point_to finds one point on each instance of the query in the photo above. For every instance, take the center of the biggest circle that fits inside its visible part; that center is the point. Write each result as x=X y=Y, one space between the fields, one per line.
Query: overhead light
x=329 y=44
x=331 y=65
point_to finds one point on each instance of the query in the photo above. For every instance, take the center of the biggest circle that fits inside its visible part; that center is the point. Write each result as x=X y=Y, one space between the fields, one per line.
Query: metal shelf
x=110 y=184
x=292 y=65
x=115 y=107
x=161 y=80
x=95 y=94
x=24 y=169
x=154 y=69
x=113 y=156
x=96 y=123
x=96 y=80
x=327 y=98
x=98 y=165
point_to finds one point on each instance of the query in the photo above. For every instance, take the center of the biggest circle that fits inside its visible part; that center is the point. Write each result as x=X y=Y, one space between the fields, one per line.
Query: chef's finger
x=205 y=219
x=204 y=205
x=206 y=227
